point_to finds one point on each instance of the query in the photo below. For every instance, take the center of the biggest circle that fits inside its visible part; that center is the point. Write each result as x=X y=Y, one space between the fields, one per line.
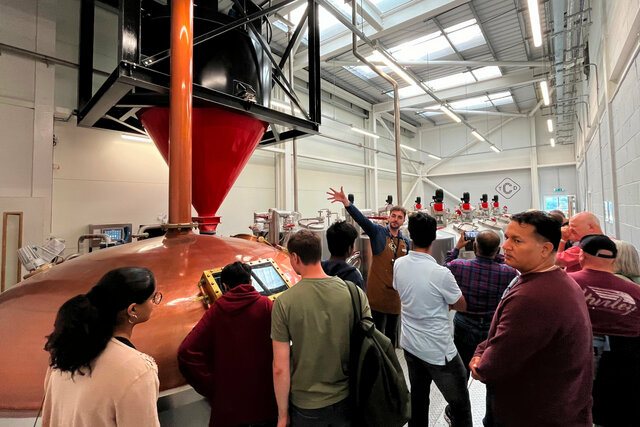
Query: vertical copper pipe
x=180 y=111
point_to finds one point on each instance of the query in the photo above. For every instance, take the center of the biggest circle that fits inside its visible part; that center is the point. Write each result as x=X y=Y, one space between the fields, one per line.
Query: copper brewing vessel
x=28 y=310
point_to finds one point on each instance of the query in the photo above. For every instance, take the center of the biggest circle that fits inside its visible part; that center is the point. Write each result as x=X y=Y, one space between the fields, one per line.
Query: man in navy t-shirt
x=341 y=237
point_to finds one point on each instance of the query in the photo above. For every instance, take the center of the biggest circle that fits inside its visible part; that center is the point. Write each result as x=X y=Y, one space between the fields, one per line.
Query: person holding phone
x=482 y=281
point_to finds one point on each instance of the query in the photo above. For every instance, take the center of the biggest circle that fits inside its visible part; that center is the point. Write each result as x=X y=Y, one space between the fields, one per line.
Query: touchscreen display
x=218 y=280
x=269 y=277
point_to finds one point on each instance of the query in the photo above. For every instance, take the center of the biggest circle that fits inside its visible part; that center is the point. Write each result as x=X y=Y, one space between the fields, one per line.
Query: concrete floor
x=477 y=394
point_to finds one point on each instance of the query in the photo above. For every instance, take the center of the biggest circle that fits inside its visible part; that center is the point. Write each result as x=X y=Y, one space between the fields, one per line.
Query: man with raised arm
x=537 y=361
x=387 y=244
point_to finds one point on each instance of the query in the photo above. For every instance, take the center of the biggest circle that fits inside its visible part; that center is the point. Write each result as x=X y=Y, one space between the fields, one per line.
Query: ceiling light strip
x=478 y=136
x=450 y=113
x=364 y=132
x=398 y=70
x=544 y=90
x=534 y=20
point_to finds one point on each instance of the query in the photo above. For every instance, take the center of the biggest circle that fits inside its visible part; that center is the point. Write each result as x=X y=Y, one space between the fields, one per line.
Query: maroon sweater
x=613 y=302
x=228 y=356
x=538 y=356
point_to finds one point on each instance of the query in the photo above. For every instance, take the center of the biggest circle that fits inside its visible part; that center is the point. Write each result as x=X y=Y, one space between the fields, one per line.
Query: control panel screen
x=114 y=233
x=267 y=275
x=264 y=274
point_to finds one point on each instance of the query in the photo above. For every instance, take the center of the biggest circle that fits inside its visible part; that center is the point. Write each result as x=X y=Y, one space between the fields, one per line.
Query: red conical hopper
x=222 y=143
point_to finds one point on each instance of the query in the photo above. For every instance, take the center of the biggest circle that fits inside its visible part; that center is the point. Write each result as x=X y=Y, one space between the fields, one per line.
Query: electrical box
x=266 y=277
x=118 y=233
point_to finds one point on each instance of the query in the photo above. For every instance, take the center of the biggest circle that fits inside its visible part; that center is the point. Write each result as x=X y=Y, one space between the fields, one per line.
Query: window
x=557 y=202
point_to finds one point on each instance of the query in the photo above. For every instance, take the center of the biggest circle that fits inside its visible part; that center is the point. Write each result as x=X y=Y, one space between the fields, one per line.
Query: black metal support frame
x=133 y=85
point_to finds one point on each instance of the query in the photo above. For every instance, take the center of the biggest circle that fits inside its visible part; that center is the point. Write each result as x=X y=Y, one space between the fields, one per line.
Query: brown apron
x=382 y=297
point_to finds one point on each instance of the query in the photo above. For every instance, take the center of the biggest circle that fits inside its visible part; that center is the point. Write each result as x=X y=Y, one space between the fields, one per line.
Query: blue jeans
x=450 y=381
x=468 y=332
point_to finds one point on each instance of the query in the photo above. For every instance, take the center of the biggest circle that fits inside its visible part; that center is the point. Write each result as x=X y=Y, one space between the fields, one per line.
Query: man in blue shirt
x=387 y=245
x=428 y=291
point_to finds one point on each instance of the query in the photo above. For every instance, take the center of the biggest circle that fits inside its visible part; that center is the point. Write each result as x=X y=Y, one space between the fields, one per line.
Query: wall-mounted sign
x=507 y=188
x=558 y=189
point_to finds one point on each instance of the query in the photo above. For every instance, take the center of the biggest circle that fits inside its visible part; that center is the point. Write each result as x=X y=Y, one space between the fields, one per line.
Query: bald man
x=580 y=225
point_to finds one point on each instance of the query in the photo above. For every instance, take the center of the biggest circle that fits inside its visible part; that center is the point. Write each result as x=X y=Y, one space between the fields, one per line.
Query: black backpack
x=377 y=389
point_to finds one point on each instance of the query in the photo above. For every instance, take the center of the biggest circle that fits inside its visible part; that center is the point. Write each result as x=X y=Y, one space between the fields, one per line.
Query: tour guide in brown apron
x=387 y=244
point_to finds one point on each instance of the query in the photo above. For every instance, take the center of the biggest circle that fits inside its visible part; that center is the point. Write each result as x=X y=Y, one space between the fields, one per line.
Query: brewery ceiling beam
x=403 y=17
x=369 y=13
x=519 y=78
x=450 y=63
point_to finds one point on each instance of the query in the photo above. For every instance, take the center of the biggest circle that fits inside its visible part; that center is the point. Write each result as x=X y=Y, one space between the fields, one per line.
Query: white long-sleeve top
x=122 y=390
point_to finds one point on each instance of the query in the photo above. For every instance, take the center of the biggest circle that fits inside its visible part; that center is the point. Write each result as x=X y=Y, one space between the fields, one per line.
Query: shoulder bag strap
x=357 y=309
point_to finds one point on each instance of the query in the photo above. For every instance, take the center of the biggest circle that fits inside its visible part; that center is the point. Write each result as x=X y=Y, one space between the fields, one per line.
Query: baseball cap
x=599 y=245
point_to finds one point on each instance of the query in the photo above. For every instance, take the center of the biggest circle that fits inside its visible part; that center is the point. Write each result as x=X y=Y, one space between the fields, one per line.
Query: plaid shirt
x=481 y=280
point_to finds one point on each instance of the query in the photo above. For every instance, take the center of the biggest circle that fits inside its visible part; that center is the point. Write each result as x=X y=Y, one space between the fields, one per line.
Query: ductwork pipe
x=396 y=103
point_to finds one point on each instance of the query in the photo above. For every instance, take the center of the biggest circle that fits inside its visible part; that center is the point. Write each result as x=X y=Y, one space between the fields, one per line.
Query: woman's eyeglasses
x=156 y=297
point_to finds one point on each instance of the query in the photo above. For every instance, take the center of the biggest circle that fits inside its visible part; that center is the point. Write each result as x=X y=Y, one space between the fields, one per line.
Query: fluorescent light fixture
x=407 y=147
x=450 y=113
x=494 y=148
x=552 y=141
x=544 y=89
x=136 y=138
x=364 y=132
x=399 y=71
x=534 y=19
x=550 y=125
x=478 y=136
x=434 y=157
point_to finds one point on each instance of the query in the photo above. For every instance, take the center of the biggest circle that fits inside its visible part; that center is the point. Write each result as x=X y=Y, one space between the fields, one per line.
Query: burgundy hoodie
x=228 y=355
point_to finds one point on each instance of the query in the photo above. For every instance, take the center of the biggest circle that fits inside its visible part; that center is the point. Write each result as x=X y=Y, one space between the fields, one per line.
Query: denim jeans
x=451 y=382
x=336 y=415
x=387 y=324
x=468 y=332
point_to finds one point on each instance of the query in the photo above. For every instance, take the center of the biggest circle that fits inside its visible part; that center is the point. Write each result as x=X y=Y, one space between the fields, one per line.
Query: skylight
x=387 y=5
x=486 y=73
x=447 y=82
x=459 y=79
x=475 y=103
x=431 y=46
x=463 y=36
x=408 y=91
x=328 y=22
x=471 y=103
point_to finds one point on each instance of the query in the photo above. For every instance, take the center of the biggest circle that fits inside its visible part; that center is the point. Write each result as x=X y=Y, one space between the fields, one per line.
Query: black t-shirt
x=344 y=271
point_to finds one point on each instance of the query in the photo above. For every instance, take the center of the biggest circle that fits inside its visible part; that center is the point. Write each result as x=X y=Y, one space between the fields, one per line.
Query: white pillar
x=535 y=190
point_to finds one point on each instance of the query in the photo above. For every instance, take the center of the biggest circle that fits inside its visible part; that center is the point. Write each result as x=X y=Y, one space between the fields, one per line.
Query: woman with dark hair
x=96 y=376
